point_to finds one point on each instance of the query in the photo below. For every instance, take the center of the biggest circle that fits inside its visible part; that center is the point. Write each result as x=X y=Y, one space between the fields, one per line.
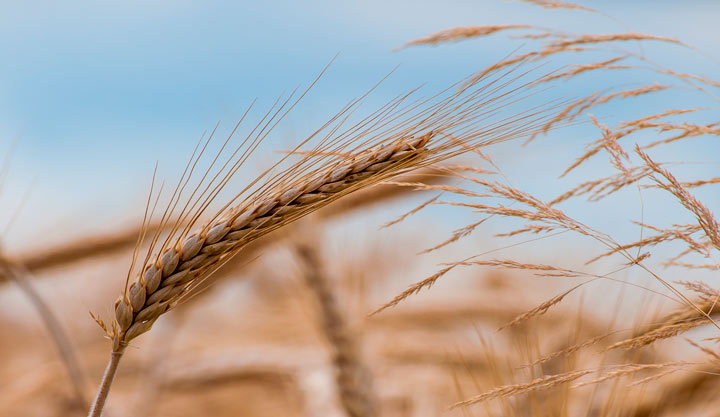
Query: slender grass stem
x=18 y=274
x=104 y=389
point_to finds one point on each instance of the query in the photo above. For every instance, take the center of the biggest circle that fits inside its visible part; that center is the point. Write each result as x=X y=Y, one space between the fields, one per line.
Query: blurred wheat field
x=537 y=238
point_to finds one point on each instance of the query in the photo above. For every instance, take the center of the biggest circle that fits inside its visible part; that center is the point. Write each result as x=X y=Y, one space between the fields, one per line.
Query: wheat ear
x=181 y=266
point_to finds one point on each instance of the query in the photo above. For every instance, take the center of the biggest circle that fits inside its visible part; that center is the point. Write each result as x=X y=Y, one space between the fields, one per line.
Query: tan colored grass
x=618 y=157
x=655 y=377
x=702 y=289
x=542 y=35
x=572 y=349
x=704 y=216
x=545 y=219
x=629 y=127
x=580 y=69
x=597 y=189
x=713 y=354
x=461 y=33
x=670 y=326
x=542 y=383
x=457 y=234
x=539 y=310
x=630 y=369
x=532 y=228
x=664 y=332
x=679 y=232
x=666 y=113
x=415 y=288
x=687 y=130
x=548 y=4
x=580 y=43
x=410 y=213
x=610 y=37
x=580 y=106
x=547 y=270
x=522 y=58
x=536 y=210
x=688 y=265
x=700 y=183
x=705 y=80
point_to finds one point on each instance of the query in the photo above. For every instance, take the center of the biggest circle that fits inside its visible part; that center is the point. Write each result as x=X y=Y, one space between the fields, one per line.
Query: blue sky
x=95 y=92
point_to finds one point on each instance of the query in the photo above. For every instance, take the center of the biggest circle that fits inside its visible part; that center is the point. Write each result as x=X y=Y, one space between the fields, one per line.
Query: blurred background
x=94 y=94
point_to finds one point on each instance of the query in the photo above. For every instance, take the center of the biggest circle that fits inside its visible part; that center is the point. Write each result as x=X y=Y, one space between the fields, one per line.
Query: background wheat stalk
x=352 y=378
x=18 y=274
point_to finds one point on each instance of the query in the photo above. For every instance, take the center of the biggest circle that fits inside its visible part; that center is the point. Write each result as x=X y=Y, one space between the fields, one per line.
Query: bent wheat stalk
x=174 y=272
x=179 y=268
x=391 y=141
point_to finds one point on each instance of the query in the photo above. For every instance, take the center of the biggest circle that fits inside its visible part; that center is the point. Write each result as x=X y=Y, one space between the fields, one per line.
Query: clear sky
x=94 y=92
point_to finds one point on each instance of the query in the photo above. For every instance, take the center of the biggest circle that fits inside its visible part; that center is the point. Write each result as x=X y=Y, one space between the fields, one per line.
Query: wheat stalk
x=175 y=271
x=391 y=141
x=183 y=265
x=18 y=273
x=352 y=378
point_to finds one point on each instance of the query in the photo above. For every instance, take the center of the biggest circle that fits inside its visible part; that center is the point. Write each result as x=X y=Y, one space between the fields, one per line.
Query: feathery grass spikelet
x=673 y=324
x=629 y=369
x=539 y=310
x=460 y=33
x=550 y=4
x=542 y=383
x=705 y=218
x=571 y=349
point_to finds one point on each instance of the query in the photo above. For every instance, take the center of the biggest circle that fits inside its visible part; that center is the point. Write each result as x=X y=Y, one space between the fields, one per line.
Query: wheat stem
x=104 y=389
x=353 y=380
x=183 y=265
